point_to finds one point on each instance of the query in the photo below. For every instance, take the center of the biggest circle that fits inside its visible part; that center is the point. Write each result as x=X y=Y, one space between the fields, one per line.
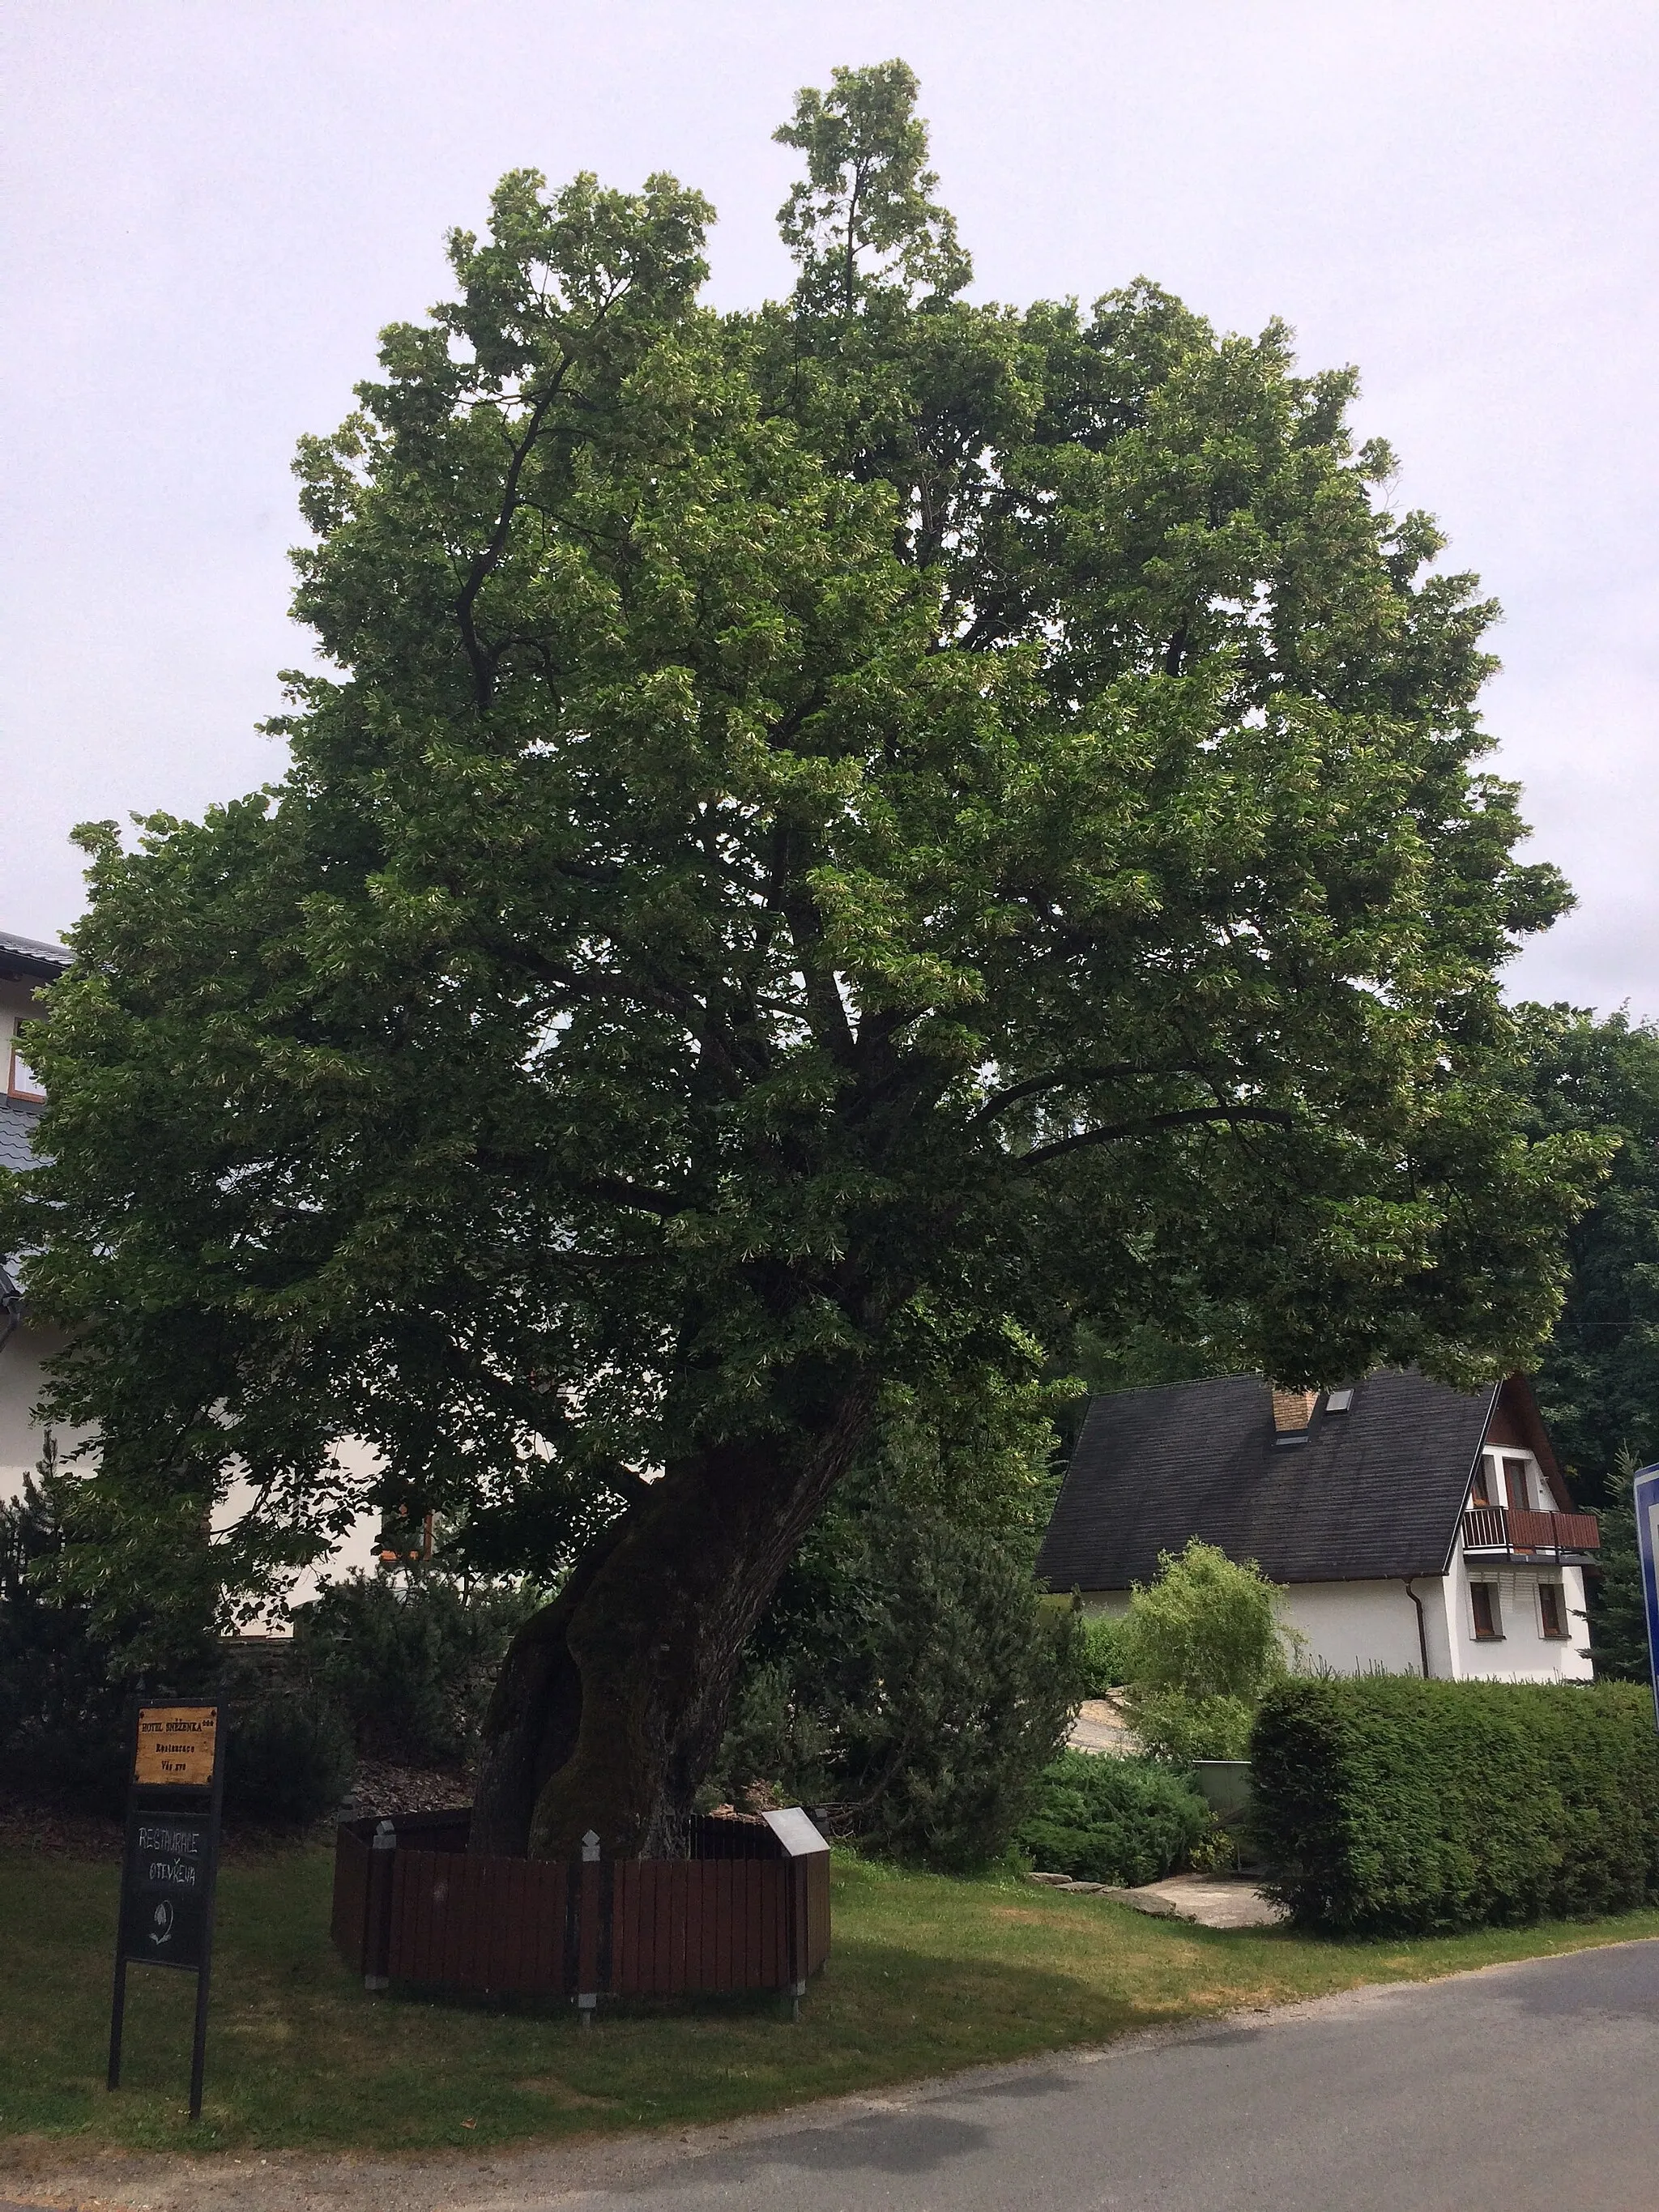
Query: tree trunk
x=613 y=1701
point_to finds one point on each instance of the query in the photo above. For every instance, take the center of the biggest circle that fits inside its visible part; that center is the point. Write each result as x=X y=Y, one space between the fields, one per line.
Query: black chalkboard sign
x=171 y=1862
x=164 y=1889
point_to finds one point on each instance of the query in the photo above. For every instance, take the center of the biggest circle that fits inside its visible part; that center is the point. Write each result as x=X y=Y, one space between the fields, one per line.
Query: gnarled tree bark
x=611 y=1701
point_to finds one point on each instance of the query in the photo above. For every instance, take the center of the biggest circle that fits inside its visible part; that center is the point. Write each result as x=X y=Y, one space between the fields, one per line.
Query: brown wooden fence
x=748 y=1910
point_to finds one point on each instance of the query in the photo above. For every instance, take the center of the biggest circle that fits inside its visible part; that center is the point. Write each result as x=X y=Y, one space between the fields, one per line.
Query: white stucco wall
x=22 y=1441
x=1351 y=1628
x=1355 y=1628
x=18 y=997
x=355 y=1551
x=21 y=1380
x=1522 y=1653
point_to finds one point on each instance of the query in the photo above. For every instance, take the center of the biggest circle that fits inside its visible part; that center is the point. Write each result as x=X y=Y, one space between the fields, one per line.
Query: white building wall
x=1362 y=1628
x=1359 y=1628
x=17 y=998
x=22 y=1378
x=1522 y=1653
x=22 y=1441
x=354 y=1553
x=1351 y=1628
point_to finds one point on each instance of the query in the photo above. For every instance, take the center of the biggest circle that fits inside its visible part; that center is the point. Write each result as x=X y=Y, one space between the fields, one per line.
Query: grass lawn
x=926 y=1974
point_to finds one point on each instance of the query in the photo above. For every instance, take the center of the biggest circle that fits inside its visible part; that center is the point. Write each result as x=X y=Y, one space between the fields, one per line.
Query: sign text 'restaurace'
x=175 y=1746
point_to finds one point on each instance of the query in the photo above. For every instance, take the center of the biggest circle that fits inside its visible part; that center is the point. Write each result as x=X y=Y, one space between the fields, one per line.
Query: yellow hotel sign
x=175 y=1746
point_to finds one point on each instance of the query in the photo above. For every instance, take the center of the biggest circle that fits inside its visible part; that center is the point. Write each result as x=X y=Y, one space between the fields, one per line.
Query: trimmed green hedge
x=1389 y=1803
x=1113 y=1819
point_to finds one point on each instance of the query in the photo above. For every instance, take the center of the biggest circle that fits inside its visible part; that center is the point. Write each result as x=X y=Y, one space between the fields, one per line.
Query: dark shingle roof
x=31 y=956
x=17 y=1118
x=1374 y=1493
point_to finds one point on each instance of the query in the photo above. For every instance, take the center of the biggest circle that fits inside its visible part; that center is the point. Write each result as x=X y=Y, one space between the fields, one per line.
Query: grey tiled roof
x=30 y=955
x=1374 y=1493
x=17 y=1118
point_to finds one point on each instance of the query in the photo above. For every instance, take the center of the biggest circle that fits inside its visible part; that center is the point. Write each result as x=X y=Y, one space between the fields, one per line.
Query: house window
x=1479 y=1494
x=1551 y=1609
x=1483 y=1603
x=1514 y=1485
x=21 y=1081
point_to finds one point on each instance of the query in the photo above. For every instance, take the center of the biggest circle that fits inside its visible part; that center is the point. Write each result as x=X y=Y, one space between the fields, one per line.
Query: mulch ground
x=379 y=1786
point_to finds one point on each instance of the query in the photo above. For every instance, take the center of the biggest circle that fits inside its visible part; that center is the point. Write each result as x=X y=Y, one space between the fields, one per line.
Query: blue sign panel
x=1647 y=1544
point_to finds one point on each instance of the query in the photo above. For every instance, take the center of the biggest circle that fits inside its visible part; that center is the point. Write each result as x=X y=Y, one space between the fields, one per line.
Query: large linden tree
x=831 y=847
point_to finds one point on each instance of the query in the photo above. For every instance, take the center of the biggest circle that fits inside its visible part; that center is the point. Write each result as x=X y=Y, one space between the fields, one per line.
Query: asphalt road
x=1529 y=2088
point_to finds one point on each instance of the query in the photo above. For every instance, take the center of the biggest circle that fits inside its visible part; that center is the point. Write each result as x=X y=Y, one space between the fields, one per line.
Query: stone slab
x=1207 y=1900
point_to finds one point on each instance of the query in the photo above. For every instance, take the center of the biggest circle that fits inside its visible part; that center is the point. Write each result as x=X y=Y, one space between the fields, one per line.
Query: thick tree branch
x=594 y=984
x=626 y=1484
x=1277 y=1116
x=827 y=1011
x=1061 y=1078
x=482 y=663
x=497 y=1160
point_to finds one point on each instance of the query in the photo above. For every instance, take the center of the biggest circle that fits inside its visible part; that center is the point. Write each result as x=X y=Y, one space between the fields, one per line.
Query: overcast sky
x=210 y=209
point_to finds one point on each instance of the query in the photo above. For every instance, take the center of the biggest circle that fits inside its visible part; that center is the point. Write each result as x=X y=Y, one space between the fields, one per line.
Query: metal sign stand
x=170 y=1867
x=1645 y=1491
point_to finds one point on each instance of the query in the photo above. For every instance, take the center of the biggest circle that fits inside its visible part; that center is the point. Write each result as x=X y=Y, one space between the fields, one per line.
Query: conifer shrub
x=289 y=1756
x=1122 y=1820
x=1389 y=1803
x=911 y=1679
x=412 y=1662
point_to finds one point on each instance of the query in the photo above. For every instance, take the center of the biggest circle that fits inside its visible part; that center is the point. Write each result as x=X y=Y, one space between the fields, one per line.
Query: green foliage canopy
x=1197 y=1648
x=825 y=846
x=1598 y=1381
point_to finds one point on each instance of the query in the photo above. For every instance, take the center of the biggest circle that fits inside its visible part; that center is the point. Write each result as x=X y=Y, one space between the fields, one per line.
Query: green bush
x=1197 y=1648
x=1113 y=1819
x=1103 y=1654
x=289 y=1756
x=1391 y=1803
x=402 y=1669
x=412 y=1667
x=1178 y=1728
x=912 y=1676
x=66 y=1679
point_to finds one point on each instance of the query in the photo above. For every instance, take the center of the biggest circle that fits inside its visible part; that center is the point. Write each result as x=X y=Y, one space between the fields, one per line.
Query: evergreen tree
x=1598 y=1380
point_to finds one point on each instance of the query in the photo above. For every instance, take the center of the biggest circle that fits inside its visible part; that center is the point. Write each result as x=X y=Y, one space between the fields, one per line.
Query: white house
x=1414 y=1528
x=25 y=966
x=26 y=1343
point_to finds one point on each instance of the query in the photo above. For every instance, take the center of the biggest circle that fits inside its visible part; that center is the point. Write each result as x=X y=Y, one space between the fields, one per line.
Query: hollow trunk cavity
x=613 y=1701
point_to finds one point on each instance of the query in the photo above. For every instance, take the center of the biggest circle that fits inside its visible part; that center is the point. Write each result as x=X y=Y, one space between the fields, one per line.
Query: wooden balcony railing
x=1529 y=1535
